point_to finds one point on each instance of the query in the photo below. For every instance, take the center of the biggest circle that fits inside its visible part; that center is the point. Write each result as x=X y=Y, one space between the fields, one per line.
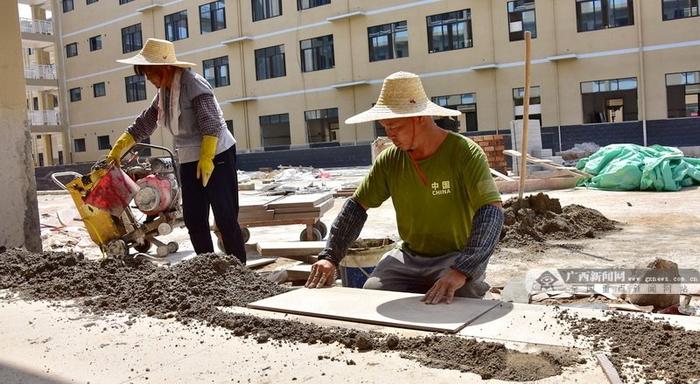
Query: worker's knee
x=474 y=289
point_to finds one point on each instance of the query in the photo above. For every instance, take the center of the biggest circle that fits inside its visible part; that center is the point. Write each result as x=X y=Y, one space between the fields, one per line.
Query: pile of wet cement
x=194 y=288
x=134 y=285
x=641 y=349
x=538 y=218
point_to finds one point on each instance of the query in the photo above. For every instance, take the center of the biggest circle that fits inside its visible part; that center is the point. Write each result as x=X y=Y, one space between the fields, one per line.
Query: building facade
x=42 y=78
x=288 y=73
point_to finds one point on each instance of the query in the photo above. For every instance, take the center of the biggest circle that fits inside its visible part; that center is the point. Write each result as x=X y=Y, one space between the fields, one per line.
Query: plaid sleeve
x=145 y=123
x=345 y=229
x=207 y=113
x=486 y=231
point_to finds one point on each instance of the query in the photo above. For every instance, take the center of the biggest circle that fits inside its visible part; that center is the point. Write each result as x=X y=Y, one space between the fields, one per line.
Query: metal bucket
x=362 y=258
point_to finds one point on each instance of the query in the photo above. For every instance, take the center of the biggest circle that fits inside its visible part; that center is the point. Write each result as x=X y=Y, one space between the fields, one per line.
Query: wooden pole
x=608 y=369
x=526 y=117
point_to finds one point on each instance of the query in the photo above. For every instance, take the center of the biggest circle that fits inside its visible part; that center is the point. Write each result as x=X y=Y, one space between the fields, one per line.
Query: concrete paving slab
x=52 y=343
x=398 y=309
x=537 y=324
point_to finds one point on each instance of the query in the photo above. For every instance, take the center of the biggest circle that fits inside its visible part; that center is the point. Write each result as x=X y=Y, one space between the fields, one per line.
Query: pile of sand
x=538 y=218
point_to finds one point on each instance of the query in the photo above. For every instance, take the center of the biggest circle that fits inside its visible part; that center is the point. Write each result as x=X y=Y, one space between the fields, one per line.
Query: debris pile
x=641 y=349
x=579 y=151
x=193 y=289
x=134 y=285
x=538 y=218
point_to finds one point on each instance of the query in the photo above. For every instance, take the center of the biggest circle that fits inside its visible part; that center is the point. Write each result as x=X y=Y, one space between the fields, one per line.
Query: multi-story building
x=288 y=73
x=49 y=144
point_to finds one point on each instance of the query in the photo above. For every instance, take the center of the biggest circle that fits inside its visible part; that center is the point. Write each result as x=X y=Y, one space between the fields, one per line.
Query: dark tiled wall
x=674 y=132
x=680 y=132
x=602 y=134
x=324 y=157
x=43 y=175
x=683 y=132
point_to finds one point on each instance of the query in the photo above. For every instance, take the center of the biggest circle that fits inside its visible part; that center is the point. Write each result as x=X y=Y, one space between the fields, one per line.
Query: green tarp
x=628 y=167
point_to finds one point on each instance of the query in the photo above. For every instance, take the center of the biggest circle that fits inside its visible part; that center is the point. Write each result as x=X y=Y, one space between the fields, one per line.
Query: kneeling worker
x=448 y=208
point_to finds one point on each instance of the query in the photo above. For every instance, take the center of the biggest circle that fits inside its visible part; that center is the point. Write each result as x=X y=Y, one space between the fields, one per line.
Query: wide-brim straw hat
x=402 y=95
x=157 y=52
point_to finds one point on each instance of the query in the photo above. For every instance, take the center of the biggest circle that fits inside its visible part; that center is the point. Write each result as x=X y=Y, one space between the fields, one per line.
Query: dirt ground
x=651 y=225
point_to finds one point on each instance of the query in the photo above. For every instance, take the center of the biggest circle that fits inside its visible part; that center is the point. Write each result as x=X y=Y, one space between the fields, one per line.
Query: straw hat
x=402 y=95
x=157 y=52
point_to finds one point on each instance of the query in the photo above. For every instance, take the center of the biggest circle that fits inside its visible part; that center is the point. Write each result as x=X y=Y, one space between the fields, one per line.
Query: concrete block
x=19 y=209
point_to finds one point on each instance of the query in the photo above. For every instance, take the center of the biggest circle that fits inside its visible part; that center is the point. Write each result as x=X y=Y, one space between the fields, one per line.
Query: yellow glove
x=205 y=166
x=123 y=143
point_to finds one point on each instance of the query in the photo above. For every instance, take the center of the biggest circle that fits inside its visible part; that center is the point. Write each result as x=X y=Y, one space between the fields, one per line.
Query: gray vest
x=189 y=138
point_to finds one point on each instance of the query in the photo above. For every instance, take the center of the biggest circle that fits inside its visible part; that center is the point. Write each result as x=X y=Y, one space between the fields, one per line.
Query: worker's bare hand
x=444 y=289
x=322 y=275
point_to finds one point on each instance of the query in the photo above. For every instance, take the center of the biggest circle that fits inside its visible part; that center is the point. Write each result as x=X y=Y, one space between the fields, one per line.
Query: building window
x=41 y=159
x=88 y=2
x=306 y=4
x=592 y=15
x=71 y=49
x=35 y=103
x=74 y=94
x=78 y=145
x=68 y=6
x=176 y=26
x=98 y=89
x=609 y=101
x=388 y=41
x=269 y=62
x=449 y=31
x=135 y=88
x=521 y=18
x=317 y=54
x=679 y=9
x=60 y=157
x=95 y=43
x=465 y=103
x=683 y=94
x=322 y=125
x=274 y=130
x=29 y=51
x=103 y=143
x=131 y=38
x=535 y=103
x=212 y=17
x=265 y=9
x=216 y=71
x=122 y=2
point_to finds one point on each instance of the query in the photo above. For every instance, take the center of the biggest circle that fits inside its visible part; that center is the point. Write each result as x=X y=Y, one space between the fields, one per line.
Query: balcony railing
x=40 y=71
x=44 y=27
x=45 y=117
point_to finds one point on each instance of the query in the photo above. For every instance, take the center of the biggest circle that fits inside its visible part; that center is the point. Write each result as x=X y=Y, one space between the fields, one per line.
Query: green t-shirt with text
x=436 y=219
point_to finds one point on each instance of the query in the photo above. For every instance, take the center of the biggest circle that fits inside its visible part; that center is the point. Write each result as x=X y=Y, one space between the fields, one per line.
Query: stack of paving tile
x=305 y=251
x=301 y=207
x=254 y=208
x=345 y=191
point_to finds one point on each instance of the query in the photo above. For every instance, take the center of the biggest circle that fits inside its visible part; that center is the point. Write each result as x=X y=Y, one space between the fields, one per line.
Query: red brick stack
x=493 y=147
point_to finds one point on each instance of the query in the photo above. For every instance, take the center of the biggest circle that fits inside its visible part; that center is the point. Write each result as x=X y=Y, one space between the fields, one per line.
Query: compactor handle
x=60 y=174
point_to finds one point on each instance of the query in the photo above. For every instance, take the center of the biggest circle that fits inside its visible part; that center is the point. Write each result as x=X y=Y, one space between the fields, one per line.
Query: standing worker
x=448 y=208
x=206 y=150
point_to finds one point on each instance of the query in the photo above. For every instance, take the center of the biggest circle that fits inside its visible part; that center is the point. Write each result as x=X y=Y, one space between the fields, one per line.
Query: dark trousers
x=221 y=193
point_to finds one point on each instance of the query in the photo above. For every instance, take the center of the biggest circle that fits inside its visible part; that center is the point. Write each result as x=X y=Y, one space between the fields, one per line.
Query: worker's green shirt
x=436 y=219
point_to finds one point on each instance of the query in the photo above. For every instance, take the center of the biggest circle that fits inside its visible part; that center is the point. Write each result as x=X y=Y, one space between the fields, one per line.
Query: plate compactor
x=103 y=199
